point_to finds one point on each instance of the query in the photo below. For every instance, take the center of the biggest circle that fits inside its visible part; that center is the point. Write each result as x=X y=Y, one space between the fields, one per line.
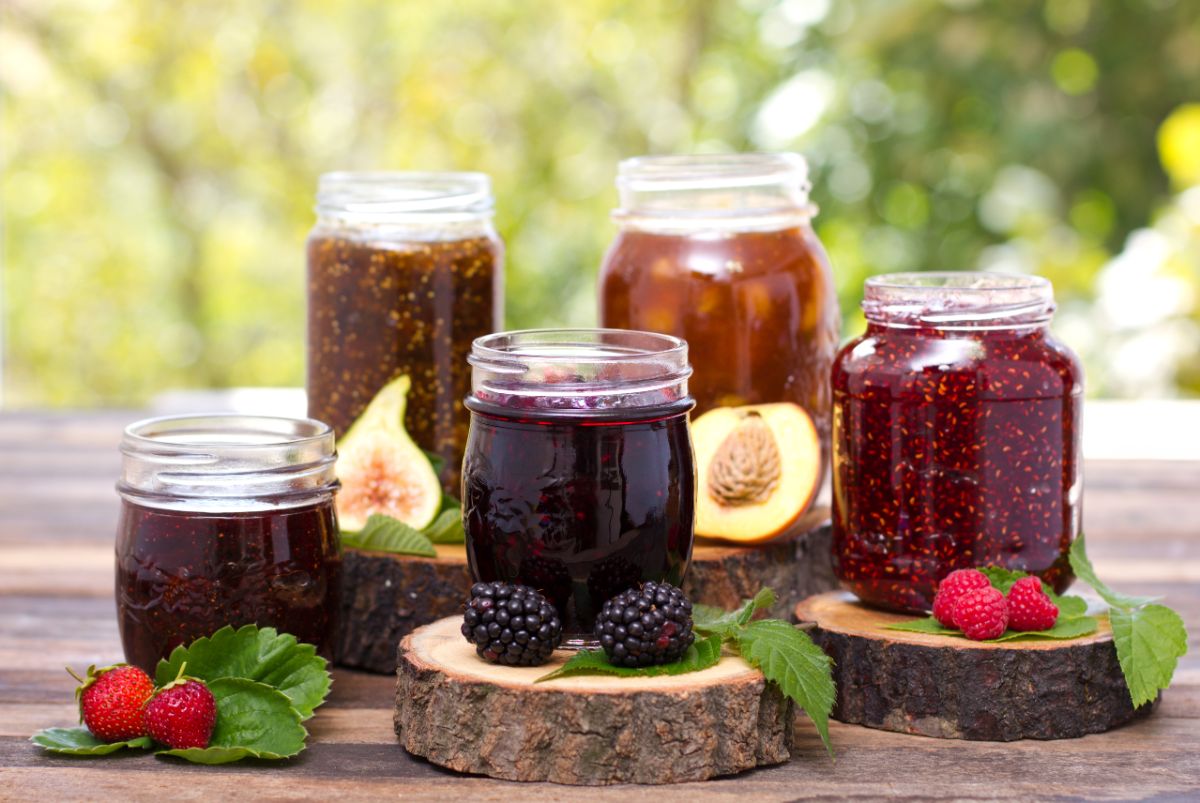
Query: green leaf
x=927 y=625
x=1002 y=580
x=253 y=721
x=447 y=528
x=1082 y=566
x=701 y=655
x=802 y=670
x=1067 y=627
x=385 y=534
x=259 y=654
x=1149 y=640
x=436 y=461
x=708 y=620
x=79 y=741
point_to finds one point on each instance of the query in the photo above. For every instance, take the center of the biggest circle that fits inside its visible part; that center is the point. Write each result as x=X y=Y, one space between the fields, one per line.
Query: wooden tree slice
x=953 y=688
x=386 y=596
x=460 y=712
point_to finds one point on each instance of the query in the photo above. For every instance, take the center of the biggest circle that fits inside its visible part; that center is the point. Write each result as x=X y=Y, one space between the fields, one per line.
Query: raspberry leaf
x=701 y=655
x=1150 y=640
x=789 y=658
x=254 y=720
x=1067 y=627
x=257 y=654
x=1082 y=566
x=710 y=620
x=927 y=625
x=385 y=534
x=1003 y=579
x=80 y=742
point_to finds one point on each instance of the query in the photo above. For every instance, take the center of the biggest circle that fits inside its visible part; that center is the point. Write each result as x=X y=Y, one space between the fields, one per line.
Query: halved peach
x=758 y=468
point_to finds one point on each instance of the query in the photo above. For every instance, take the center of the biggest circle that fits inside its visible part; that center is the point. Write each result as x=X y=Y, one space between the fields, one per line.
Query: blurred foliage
x=160 y=159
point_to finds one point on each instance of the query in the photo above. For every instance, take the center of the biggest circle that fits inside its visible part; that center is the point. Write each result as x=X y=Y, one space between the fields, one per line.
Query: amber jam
x=719 y=251
x=955 y=436
x=404 y=272
x=226 y=520
x=578 y=478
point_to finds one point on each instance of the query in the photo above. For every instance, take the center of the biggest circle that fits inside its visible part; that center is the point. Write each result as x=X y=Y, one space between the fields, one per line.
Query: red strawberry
x=182 y=714
x=981 y=614
x=953 y=586
x=1028 y=606
x=111 y=701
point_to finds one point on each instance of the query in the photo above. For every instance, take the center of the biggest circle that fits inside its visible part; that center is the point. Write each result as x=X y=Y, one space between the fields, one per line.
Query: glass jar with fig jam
x=578 y=478
x=955 y=436
x=404 y=271
x=226 y=520
x=719 y=250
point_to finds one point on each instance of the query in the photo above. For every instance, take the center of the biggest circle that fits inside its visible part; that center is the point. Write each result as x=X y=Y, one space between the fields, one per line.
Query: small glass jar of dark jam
x=578 y=478
x=955 y=436
x=404 y=271
x=226 y=520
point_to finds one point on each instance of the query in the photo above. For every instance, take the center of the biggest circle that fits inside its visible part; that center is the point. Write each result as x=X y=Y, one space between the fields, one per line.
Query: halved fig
x=758 y=468
x=382 y=470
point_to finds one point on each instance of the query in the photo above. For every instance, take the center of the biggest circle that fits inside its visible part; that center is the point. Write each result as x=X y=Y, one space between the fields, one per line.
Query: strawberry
x=182 y=714
x=111 y=701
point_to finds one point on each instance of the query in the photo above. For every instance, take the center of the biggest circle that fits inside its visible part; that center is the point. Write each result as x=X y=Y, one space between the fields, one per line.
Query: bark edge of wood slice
x=953 y=688
x=459 y=712
x=385 y=596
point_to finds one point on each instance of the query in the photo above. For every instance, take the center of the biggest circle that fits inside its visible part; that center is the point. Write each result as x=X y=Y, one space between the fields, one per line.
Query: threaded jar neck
x=404 y=198
x=958 y=300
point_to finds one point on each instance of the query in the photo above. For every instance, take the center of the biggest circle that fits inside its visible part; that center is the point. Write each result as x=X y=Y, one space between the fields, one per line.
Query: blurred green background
x=160 y=159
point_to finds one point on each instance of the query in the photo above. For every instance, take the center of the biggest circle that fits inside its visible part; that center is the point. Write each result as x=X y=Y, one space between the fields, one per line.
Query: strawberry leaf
x=701 y=655
x=253 y=721
x=257 y=654
x=80 y=742
x=801 y=669
x=1150 y=640
x=385 y=534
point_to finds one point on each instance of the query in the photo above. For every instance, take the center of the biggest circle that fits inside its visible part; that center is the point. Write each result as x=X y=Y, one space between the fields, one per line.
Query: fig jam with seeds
x=955 y=437
x=226 y=520
x=579 y=478
x=404 y=272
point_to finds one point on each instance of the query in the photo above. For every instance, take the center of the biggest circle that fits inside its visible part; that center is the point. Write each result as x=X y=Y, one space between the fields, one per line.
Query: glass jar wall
x=404 y=272
x=226 y=520
x=955 y=436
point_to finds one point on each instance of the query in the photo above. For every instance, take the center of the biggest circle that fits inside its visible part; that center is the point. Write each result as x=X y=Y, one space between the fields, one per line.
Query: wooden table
x=57 y=515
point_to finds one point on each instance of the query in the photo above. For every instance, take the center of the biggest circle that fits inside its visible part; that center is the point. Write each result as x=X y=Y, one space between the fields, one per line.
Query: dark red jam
x=953 y=447
x=182 y=575
x=579 y=504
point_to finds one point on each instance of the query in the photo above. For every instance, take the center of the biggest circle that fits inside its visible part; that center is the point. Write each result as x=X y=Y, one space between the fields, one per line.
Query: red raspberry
x=981 y=613
x=953 y=586
x=1028 y=606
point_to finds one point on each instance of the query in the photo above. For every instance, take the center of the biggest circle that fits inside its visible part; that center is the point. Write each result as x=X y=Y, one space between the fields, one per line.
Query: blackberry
x=647 y=625
x=511 y=624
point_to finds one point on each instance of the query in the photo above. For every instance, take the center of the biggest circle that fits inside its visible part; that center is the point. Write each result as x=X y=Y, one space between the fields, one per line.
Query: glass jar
x=578 y=478
x=404 y=271
x=955 y=436
x=226 y=520
x=719 y=250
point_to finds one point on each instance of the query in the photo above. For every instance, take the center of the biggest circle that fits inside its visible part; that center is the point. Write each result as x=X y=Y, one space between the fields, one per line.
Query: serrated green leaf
x=385 y=534
x=1082 y=566
x=259 y=654
x=1150 y=641
x=801 y=669
x=1067 y=627
x=701 y=655
x=708 y=620
x=254 y=720
x=927 y=625
x=1002 y=580
x=447 y=528
x=79 y=741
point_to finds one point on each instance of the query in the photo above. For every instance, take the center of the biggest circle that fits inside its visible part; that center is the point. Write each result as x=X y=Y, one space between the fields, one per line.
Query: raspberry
x=981 y=613
x=953 y=586
x=1028 y=606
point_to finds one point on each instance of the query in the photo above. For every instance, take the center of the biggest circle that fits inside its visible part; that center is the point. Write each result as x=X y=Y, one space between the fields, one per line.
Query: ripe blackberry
x=647 y=625
x=511 y=624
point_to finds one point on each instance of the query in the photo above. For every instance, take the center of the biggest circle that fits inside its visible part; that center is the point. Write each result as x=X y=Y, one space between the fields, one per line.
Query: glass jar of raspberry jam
x=404 y=271
x=955 y=436
x=719 y=251
x=226 y=520
x=578 y=478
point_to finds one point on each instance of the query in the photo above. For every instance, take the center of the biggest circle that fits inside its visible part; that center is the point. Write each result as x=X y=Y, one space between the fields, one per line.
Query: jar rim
x=384 y=196
x=148 y=431
x=711 y=171
x=951 y=299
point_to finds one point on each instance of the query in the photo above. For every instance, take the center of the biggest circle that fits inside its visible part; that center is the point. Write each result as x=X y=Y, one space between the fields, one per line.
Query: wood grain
x=58 y=471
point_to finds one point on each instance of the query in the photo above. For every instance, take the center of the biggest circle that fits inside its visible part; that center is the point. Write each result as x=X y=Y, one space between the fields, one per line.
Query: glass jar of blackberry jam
x=955 y=436
x=404 y=271
x=226 y=520
x=578 y=478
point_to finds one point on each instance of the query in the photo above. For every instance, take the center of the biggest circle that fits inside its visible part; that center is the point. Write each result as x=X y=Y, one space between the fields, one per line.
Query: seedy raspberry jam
x=955 y=436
